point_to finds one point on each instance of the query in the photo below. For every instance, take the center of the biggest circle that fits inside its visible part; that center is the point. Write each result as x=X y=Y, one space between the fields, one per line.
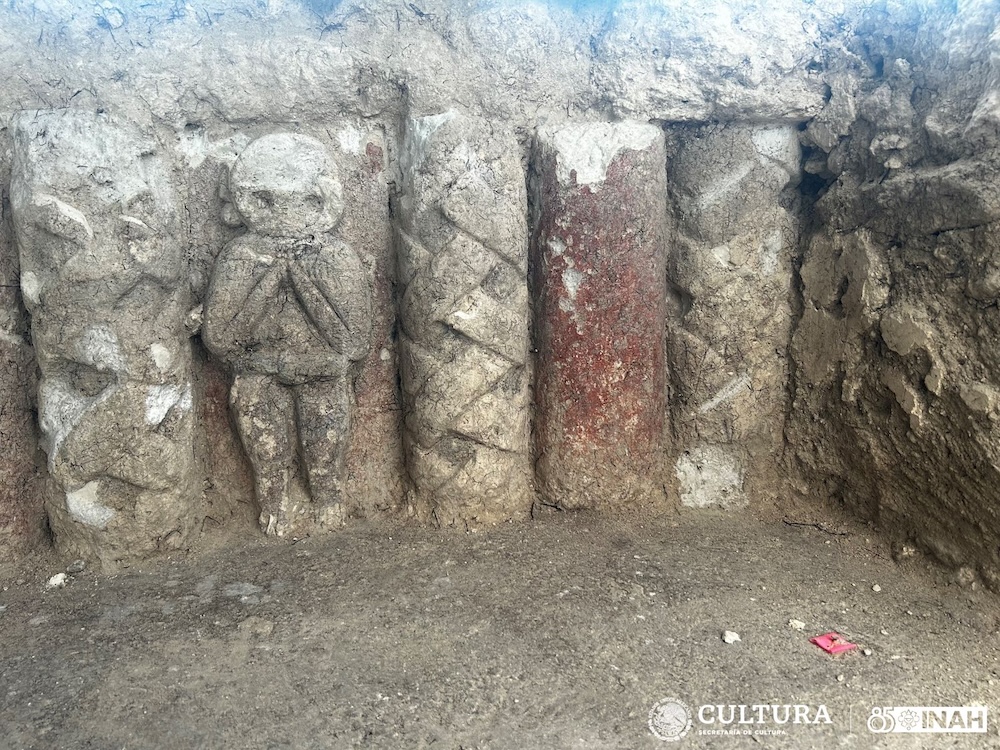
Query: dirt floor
x=561 y=633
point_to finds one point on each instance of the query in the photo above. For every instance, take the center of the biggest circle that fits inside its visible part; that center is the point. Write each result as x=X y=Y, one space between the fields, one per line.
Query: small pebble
x=20 y=582
x=883 y=631
x=730 y=637
x=3 y=607
x=57 y=581
x=77 y=566
x=796 y=625
x=840 y=678
x=876 y=588
x=867 y=652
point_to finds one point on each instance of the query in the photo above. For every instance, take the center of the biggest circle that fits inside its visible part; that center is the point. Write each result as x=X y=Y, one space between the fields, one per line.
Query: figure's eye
x=264 y=198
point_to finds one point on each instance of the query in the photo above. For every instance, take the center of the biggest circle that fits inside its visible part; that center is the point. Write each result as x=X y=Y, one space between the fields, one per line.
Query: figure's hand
x=317 y=307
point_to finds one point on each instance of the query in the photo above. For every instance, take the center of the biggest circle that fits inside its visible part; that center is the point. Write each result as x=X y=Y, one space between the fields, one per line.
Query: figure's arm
x=243 y=285
x=343 y=286
x=322 y=314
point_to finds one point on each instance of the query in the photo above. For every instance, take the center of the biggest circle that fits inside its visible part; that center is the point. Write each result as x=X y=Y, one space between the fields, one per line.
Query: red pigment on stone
x=601 y=378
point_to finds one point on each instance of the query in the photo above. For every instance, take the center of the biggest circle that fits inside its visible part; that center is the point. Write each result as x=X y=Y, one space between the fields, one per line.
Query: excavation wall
x=295 y=263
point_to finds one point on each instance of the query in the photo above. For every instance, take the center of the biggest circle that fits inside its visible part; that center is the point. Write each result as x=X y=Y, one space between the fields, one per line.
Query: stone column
x=599 y=255
x=731 y=268
x=101 y=276
x=462 y=233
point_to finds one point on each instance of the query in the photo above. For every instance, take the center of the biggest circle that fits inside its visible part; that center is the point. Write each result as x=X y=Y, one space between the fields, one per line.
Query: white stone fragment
x=418 y=134
x=57 y=581
x=730 y=637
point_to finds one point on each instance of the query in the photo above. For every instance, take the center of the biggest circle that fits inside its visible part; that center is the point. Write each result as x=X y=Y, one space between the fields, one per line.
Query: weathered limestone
x=464 y=314
x=289 y=310
x=599 y=259
x=374 y=480
x=731 y=270
x=97 y=227
x=22 y=511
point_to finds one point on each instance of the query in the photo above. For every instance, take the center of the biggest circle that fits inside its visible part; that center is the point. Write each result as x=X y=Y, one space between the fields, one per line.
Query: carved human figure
x=289 y=310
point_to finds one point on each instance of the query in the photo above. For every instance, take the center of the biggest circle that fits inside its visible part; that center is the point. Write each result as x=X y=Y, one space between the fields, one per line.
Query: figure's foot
x=332 y=516
x=274 y=524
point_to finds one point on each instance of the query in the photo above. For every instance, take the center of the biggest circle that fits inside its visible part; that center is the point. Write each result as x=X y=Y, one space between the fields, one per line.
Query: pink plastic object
x=832 y=643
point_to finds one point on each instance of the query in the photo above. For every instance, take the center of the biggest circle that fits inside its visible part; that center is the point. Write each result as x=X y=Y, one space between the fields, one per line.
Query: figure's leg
x=324 y=413
x=265 y=417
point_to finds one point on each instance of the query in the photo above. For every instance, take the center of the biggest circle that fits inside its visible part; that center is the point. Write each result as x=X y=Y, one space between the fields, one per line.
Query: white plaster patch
x=589 y=149
x=59 y=410
x=349 y=139
x=418 y=134
x=779 y=145
x=770 y=252
x=710 y=476
x=98 y=347
x=384 y=355
x=722 y=187
x=161 y=356
x=31 y=287
x=196 y=147
x=722 y=255
x=572 y=279
x=557 y=246
x=84 y=506
x=11 y=338
x=728 y=391
x=160 y=399
x=135 y=222
x=63 y=220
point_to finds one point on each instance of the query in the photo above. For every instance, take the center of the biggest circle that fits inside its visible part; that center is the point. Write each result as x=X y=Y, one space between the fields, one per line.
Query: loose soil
x=559 y=633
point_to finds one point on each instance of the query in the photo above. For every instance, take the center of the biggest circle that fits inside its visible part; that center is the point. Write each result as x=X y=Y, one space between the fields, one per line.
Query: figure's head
x=286 y=185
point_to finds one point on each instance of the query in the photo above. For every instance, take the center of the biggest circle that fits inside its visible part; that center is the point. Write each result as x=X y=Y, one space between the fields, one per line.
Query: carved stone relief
x=731 y=266
x=97 y=229
x=289 y=310
x=464 y=315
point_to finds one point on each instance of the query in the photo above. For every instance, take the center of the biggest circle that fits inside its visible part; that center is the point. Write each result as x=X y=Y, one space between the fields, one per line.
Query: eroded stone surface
x=96 y=224
x=731 y=270
x=599 y=260
x=464 y=312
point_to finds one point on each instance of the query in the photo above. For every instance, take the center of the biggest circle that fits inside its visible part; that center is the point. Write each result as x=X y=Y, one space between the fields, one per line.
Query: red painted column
x=600 y=285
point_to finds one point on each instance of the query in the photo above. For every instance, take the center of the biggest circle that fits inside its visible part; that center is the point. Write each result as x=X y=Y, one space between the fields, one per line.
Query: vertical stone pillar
x=101 y=264
x=599 y=248
x=732 y=268
x=462 y=233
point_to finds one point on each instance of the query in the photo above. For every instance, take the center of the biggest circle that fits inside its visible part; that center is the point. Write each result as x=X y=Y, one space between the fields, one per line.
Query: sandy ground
x=560 y=633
